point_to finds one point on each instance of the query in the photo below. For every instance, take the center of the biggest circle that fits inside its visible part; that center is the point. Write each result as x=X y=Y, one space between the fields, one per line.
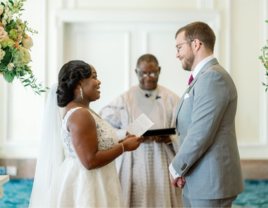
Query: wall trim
x=263 y=95
x=205 y=4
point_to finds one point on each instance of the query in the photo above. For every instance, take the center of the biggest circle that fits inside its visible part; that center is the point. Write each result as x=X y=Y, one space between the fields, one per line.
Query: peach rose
x=3 y=34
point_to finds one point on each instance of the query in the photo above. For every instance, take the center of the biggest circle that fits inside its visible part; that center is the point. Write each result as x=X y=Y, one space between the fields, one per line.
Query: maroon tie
x=191 y=79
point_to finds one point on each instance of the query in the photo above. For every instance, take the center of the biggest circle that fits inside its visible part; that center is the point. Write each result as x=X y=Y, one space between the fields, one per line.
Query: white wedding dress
x=74 y=185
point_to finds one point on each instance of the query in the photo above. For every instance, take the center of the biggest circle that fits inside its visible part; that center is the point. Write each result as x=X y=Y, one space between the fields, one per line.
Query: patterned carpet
x=254 y=196
x=17 y=194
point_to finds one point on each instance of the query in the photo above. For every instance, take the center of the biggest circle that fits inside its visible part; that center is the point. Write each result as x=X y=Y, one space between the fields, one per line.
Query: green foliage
x=11 y=26
x=9 y=76
x=7 y=57
x=11 y=2
x=14 y=56
x=31 y=82
x=264 y=60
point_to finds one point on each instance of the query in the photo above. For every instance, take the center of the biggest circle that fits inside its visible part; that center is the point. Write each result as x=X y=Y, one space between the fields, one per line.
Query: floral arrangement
x=264 y=60
x=15 y=45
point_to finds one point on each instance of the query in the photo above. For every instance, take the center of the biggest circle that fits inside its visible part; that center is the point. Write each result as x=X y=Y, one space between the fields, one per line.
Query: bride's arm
x=82 y=127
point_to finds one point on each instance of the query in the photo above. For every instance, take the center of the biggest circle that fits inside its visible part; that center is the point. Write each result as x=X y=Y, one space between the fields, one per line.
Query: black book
x=160 y=132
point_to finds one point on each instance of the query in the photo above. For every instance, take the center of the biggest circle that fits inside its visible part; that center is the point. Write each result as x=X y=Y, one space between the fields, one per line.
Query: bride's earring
x=81 y=93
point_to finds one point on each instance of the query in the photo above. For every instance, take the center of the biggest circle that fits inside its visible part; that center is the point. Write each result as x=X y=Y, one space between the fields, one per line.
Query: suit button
x=184 y=166
x=179 y=133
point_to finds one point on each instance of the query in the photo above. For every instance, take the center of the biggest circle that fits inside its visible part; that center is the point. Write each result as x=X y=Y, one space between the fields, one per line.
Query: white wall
x=113 y=49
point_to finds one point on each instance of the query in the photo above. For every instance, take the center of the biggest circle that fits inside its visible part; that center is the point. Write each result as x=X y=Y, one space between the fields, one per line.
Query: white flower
x=10 y=66
x=4 y=22
x=5 y=16
x=3 y=34
x=27 y=42
x=1 y=9
x=2 y=54
x=21 y=57
x=9 y=4
x=9 y=14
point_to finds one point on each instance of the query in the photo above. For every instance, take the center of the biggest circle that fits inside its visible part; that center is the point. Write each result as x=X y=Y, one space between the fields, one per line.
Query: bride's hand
x=121 y=140
x=131 y=142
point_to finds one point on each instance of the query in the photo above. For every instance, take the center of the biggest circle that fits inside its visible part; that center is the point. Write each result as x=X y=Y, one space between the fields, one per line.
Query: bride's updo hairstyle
x=69 y=76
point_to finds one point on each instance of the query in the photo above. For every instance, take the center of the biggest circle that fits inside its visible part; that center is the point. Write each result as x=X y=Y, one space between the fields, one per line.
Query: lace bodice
x=107 y=137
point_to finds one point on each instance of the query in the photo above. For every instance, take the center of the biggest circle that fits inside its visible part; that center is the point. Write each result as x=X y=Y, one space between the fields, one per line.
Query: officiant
x=144 y=174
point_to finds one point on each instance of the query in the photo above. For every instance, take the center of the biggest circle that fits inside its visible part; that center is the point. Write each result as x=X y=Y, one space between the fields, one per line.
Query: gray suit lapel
x=204 y=68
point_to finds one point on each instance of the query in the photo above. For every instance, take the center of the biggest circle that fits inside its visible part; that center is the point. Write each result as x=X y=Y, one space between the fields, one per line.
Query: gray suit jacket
x=208 y=154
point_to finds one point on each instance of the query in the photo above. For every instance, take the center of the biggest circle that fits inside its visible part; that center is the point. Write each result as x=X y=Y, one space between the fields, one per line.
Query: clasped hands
x=178 y=182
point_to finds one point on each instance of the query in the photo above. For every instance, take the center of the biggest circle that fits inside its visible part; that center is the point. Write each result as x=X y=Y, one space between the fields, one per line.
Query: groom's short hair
x=200 y=31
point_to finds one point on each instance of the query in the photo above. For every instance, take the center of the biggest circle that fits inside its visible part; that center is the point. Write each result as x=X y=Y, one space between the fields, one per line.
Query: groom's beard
x=188 y=61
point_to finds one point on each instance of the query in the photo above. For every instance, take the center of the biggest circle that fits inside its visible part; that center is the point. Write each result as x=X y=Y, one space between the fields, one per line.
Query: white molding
x=82 y=16
x=6 y=109
x=69 y=4
x=263 y=95
x=252 y=144
x=145 y=42
x=59 y=47
x=205 y=4
x=228 y=51
x=127 y=59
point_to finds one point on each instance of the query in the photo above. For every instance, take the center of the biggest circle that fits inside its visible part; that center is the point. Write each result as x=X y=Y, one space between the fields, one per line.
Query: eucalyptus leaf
x=26 y=80
x=7 y=57
x=3 y=66
x=11 y=2
x=9 y=76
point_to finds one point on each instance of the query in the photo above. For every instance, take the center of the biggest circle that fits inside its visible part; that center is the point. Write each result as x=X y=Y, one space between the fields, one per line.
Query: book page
x=140 y=125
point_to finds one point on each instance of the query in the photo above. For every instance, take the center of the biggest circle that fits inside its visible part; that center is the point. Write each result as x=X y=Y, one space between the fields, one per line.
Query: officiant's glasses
x=146 y=74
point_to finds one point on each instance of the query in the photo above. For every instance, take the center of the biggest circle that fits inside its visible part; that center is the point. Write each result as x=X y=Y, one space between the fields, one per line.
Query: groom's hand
x=174 y=181
x=181 y=182
x=178 y=182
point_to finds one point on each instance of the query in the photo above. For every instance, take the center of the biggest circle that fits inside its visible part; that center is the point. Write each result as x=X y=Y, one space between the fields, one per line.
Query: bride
x=85 y=175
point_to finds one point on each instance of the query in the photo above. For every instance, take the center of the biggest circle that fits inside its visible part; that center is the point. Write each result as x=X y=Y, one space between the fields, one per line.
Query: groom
x=207 y=165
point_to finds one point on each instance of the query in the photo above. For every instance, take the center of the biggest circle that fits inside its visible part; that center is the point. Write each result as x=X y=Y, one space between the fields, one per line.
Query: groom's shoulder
x=217 y=75
x=218 y=71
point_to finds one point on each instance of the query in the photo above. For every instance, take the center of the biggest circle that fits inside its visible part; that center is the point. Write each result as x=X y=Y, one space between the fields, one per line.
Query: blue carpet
x=18 y=192
x=255 y=195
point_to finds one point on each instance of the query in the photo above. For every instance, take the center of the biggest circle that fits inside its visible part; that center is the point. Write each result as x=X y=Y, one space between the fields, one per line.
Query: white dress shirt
x=196 y=70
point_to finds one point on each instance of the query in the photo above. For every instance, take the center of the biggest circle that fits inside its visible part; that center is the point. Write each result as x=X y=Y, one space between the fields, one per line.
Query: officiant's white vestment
x=144 y=173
